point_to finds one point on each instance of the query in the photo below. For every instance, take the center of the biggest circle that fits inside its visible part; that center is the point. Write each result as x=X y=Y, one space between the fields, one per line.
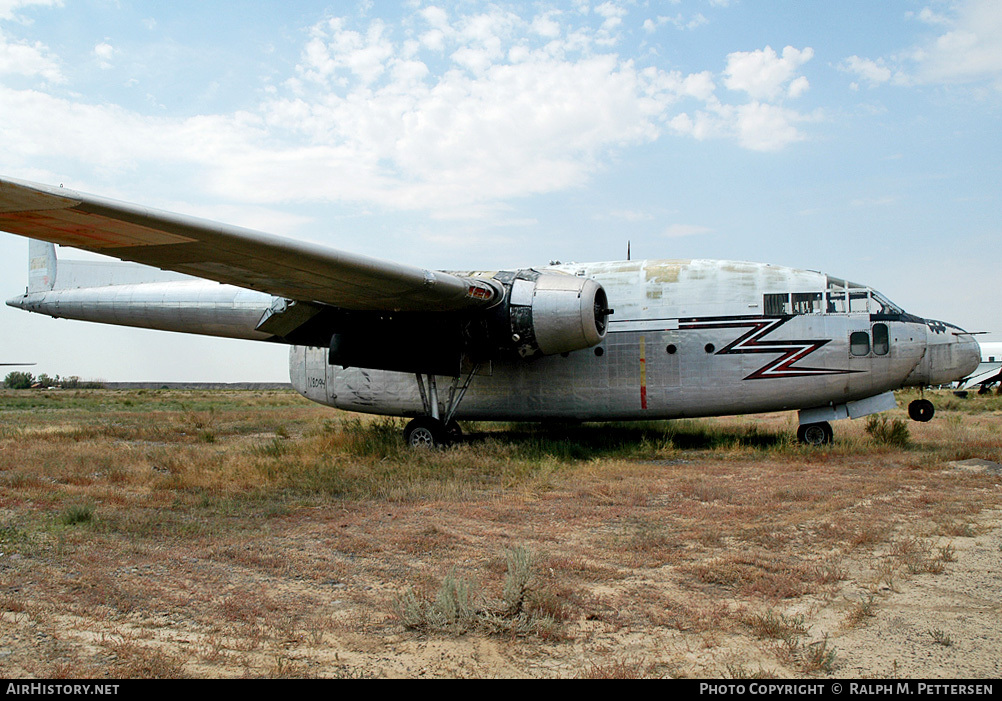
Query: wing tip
x=17 y=196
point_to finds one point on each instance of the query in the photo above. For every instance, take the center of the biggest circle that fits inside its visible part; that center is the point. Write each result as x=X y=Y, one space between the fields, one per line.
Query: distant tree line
x=25 y=380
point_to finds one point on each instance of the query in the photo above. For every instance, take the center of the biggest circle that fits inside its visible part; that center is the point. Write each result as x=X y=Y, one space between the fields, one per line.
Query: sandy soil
x=937 y=626
x=856 y=564
x=943 y=625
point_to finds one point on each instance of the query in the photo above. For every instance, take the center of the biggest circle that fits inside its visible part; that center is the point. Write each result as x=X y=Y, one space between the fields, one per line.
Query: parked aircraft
x=592 y=342
x=989 y=370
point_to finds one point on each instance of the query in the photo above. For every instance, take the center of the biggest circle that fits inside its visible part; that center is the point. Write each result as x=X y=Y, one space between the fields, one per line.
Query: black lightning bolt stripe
x=751 y=342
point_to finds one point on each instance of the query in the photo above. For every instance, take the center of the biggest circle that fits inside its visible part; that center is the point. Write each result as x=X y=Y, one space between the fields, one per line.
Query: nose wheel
x=815 y=434
x=921 y=410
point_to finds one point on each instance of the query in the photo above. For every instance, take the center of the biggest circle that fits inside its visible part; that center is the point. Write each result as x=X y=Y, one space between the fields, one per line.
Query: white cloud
x=612 y=13
x=930 y=16
x=766 y=76
x=522 y=106
x=546 y=25
x=8 y=8
x=678 y=21
x=765 y=127
x=24 y=58
x=104 y=52
x=334 y=52
x=968 y=50
x=32 y=60
x=757 y=126
x=873 y=72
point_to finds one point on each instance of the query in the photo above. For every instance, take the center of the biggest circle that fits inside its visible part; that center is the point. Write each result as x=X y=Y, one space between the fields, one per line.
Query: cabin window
x=859 y=301
x=776 y=304
x=859 y=343
x=806 y=302
x=881 y=339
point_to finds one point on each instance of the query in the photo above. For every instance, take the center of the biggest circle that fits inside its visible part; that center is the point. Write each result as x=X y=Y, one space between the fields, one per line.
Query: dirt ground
x=961 y=607
x=726 y=562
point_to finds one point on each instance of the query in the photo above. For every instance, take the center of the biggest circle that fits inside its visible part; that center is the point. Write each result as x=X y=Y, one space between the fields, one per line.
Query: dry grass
x=166 y=534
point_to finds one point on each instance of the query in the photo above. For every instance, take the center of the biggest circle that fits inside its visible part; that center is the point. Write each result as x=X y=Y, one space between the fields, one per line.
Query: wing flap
x=231 y=255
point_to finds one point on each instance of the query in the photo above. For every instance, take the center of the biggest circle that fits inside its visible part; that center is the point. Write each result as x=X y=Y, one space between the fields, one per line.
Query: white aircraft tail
x=41 y=266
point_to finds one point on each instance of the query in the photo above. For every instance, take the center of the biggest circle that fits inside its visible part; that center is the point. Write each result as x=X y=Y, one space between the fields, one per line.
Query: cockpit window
x=859 y=301
x=849 y=297
x=837 y=302
x=776 y=304
x=806 y=302
x=841 y=297
x=783 y=304
x=884 y=306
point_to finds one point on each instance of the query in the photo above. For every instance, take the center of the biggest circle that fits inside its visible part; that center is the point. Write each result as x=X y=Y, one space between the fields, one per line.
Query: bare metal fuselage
x=688 y=338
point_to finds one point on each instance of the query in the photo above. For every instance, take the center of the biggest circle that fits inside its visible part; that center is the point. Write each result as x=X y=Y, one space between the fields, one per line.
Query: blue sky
x=860 y=138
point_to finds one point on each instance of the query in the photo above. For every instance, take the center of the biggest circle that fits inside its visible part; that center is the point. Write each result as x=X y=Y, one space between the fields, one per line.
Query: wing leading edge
x=232 y=255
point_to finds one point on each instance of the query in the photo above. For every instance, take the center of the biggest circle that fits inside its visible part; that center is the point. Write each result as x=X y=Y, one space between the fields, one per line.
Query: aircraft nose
x=969 y=354
x=951 y=354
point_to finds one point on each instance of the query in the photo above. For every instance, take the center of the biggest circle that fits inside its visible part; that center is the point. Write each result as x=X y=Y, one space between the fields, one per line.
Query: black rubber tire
x=425 y=432
x=816 y=434
x=454 y=431
x=921 y=410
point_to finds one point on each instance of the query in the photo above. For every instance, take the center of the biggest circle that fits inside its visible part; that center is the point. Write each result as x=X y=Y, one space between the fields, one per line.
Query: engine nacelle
x=552 y=313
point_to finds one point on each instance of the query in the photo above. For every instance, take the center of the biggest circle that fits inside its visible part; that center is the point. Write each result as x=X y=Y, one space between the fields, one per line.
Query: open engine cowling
x=541 y=314
x=552 y=313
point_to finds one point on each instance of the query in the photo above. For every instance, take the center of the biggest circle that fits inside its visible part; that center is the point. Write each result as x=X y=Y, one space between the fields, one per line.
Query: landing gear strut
x=921 y=410
x=815 y=434
x=433 y=430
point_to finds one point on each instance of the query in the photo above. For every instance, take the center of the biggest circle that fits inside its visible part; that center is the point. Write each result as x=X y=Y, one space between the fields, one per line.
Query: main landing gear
x=434 y=430
x=815 y=434
x=429 y=432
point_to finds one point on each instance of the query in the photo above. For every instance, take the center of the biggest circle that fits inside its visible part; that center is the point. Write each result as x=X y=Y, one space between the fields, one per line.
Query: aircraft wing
x=986 y=372
x=229 y=254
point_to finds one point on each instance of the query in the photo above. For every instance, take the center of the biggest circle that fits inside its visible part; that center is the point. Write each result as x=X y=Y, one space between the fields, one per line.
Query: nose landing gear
x=921 y=410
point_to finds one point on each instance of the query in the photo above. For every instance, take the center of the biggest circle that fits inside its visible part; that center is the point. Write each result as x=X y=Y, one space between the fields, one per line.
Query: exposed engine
x=540 y=314
x=550 y=313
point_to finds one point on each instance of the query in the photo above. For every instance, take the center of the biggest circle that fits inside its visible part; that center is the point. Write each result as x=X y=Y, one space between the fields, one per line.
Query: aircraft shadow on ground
x=591 y=440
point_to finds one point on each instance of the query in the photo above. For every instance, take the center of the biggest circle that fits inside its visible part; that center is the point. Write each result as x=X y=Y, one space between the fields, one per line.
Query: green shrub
x=888 y=432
